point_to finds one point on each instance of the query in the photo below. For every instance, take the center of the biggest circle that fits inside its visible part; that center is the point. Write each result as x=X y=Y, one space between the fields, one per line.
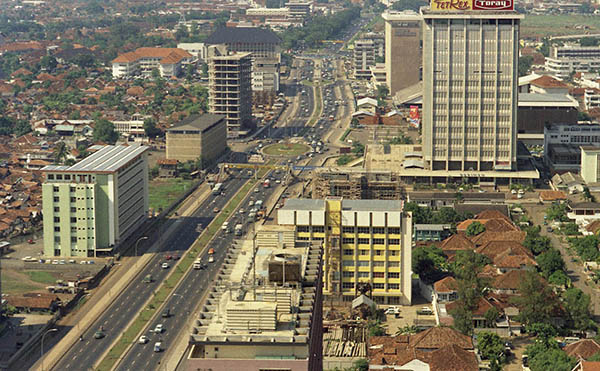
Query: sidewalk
x=113 y=285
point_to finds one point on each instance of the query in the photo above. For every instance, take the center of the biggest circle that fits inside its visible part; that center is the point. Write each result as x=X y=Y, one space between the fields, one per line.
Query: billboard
x=460 y=5
x=414 y=116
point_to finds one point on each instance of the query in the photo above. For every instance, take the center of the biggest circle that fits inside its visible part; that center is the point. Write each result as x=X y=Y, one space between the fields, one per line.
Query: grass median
x=317 y=112
x=162 y=293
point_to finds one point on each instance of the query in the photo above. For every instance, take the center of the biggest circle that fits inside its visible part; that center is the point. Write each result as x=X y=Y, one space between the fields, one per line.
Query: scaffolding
x=355 y=184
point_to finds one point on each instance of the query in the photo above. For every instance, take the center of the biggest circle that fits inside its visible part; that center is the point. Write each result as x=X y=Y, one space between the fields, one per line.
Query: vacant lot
x=163 y=192
x=557 y=25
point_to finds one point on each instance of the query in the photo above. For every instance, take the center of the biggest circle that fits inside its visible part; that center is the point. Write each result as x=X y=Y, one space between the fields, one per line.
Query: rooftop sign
x=460 y=5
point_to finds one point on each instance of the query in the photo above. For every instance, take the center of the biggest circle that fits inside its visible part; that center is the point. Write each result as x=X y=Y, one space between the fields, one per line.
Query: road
x=84 y=354
x=187 y=297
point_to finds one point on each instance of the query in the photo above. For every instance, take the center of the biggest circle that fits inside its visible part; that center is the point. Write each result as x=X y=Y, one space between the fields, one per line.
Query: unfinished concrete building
x=356 y=184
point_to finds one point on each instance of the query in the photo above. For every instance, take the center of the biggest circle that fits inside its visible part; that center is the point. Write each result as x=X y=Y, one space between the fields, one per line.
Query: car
x=99 y=334
x=513 y=191
x=175 y=257
x=83 y=262
x=157 y=346
x=166 y=313
x=242 y=211
x=216 y=210
x=27 y=259
x=549 y=229
x=30 y=241
x=165 y=265
x=168 y=257
x=143 y=339
x=256 y=190
x=425 y=310
x=211 y=259
x=159 y=329
x=91 y=262
x=224 y=226
x=71 y=261
x=62 y=261
x=392 y=310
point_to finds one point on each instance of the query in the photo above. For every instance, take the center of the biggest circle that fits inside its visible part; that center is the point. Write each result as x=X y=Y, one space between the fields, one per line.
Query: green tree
x=525 y=63
x=491 y=315
x=550 y=261
x=474 y=229
x=552 y=359
x=60 y=152
x=150 y=128
x=104 y=131
x=570 y=229
x=586 y=247
x=361 y=365
x=409 y=5
x=48 y=63
x=545 y=47
x=421 y=215
x=343 y=160
x=587 y=195
x=463 y=319
x=358 y=148
x=559 y=278
x=557 y=212
x=429 y=262
x=490 y=345
x=577 y=304
x=536 y=243
x=536 y=301
x=588 y=41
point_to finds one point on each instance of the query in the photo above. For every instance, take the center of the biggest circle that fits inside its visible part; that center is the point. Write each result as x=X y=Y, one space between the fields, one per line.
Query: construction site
x=356 y=184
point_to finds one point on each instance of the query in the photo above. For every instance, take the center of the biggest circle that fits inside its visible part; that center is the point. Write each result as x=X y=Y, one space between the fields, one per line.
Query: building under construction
x=356 y=184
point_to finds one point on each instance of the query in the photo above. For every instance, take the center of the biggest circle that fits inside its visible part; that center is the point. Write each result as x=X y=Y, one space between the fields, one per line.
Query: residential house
x=457 y=242
x=431 y=232
x=568 y=182
x=508 y=283
x=35 y=302
x=583 y=212
x=582 y=349
x=552 y=196
x=167 y=168
x=487 y=236
x=445 y=290
x=587 y=366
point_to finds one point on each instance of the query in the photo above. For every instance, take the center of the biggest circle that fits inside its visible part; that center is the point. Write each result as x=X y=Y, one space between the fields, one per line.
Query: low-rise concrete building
x=198 y=136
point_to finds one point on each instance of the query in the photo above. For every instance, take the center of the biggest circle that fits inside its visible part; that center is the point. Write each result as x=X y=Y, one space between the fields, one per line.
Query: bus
x=217 y=189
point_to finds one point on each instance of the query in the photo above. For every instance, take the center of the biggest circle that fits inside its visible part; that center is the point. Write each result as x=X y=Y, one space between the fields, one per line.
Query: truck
x=267 y=183
x=238 y=229
x=217 y=189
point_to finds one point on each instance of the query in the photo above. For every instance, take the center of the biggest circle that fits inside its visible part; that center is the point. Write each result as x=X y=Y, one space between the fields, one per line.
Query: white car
x=392 y=310
x=143 y=339
x=211 y=259
x=224 y=225
x=165 y=265
x=159 y=329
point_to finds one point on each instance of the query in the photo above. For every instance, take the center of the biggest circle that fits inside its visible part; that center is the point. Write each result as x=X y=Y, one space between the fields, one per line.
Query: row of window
x=365 y=230
x=376 y=286
x=366 y=263
x=375 y=274
x=73 y=199
x=73 y=239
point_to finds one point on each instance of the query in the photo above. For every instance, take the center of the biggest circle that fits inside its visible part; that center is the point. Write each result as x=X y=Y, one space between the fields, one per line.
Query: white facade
x=198 y=50
x=567 y=59
x=268 y=12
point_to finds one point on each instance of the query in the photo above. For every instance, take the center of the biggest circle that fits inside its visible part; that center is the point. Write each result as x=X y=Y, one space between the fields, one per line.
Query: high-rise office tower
x=402 y=49
x=470 y=58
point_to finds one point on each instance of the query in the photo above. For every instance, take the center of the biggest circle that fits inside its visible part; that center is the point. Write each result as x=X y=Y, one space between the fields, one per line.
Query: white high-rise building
x=470 y=60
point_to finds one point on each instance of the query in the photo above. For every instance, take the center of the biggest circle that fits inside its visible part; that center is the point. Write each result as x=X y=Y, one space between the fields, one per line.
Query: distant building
x=562 y=145
x=366 y=51
x=431 y=232
x=538 y=110
x=93 y=205
x=167 y=168
x=567 y=59
x=229 y=88
x=198 y=50
x=168 y=61
x=198 y=136
x=299 y=9
x=590 y=165
x=403 y=53
x=367 y=243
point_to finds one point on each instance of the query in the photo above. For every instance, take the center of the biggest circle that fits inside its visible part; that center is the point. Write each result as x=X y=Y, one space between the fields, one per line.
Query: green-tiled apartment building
x=91 y=206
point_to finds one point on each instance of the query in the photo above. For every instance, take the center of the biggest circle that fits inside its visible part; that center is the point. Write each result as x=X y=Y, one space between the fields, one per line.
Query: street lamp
x=42 y=350
x=137 y=243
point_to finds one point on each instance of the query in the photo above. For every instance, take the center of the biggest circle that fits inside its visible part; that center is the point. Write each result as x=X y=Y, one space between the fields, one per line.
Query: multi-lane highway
x=188 y=295
x=84 y=354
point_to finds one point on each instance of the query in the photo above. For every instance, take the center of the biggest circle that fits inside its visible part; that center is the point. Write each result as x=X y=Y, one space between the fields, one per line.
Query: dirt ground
x=408 y=315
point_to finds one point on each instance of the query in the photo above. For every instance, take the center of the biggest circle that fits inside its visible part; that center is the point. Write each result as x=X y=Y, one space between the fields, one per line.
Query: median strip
x=168 y=285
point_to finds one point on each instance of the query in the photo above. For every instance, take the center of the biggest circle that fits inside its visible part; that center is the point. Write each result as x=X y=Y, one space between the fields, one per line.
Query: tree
x=343 y=160
x=409 y=5
x=474 y=229
x=536 y=301
x=557 y=212
x=428 y=262
x=552 y=359
x=150 y=128
x=570 y=229
x=586 y=247
x=104 y=131
x=545 y=47
x=525 y=63
x=536 y=243
x=577 y=304
x=559 y=278
x=361 y=365
x=490 y=345
x=589 y=41
x=463 y=319
x=491 y=315
x=587 y=195
x=48 y=63
x=421 y=215
x=358 y=148
x=60 y=153
x=550 y=261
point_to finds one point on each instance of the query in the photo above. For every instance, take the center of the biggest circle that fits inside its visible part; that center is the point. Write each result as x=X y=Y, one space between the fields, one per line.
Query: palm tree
x=60 y=152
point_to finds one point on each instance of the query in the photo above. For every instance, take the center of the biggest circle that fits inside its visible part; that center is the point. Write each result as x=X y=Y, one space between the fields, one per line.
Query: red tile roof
x=167 y=55
x=446 y=284
x=493 y=249
x=487 y=236
x=510 y=280
x=457 y=242
x=552 y=195
x=549 y=82
x=585 y=349
x=590 y=366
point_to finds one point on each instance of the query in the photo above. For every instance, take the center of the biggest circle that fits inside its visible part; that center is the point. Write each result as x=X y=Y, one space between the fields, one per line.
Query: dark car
x=99 y=334
x=166 y=313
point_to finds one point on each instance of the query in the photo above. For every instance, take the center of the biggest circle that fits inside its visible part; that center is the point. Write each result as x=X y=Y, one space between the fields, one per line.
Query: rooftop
x=354 y=205
x=106 y=160
x=198 y=122
x=243 y=35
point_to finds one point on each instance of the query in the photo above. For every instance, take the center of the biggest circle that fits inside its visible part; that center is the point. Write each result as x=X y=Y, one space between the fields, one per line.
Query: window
x=302 y=228
x=363 y=241
x=56 y=219
x=393 y=275
x=57 y=239
x=394 y=252
x=55 y=199
x=318 y=238
x=363 y=252
x=55 y=189
x=347 y=240
x=71 y=189
x=361 y=263
x=73 y=220
x=393 y=241
x=348 y=263
x=348 y=252
x=378 y=230
x=378 y=252
x=57 y=229
x=378 y=274
x=394 y=230
x=393 y=264
x=347 y=229
x=378 y=241
x=379 y=286
x=348 y=274
x=363 y=274
x=363 y=230
x=318 y=229
x=73 y=199
x=302 y=238
x=50 y=176
x=73 y=239
x=347 y=285
x=378 y=264
x=393 y=286
x=56 y=209
x=73 y=209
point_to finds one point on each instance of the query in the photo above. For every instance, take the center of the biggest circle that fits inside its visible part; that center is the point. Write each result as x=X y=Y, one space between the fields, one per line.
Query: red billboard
x=493 y=5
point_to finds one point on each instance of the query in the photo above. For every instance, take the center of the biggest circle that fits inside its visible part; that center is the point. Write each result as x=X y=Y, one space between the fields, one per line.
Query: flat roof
x=470 y=14
x=198 y=122
x=545 y=100
x=108 y=159
x=347 y=205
